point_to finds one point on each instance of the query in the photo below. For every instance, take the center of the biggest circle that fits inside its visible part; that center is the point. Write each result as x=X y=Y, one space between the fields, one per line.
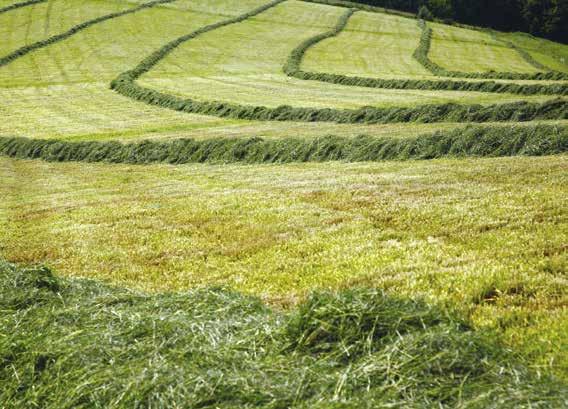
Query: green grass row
x=20 y=5
x=77 y=343
x=421 y=55
x=293 y=69
x=471 y=141
x=21 y=52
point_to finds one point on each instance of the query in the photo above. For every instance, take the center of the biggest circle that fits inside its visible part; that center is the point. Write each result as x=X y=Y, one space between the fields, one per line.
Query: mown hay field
x=248 y=154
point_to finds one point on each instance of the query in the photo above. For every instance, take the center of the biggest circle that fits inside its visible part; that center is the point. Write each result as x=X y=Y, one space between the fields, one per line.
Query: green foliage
x=421 y=55
x=20 y=5
x=21 y=52
x=83 y=344
x=364 y=7
x=470 y=141
x=546 y=18
x=294 y=61
x=424 y=13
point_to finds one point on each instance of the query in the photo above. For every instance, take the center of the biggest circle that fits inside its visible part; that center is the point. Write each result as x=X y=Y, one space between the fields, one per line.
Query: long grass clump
x=68 y=343
x=21 y=52
x=293 y=64
x=470 y=141
x=423 y=49
x=20 y=5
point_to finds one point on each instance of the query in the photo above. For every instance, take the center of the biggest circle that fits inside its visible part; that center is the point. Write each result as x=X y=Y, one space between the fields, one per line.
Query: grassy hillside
x=410 y=171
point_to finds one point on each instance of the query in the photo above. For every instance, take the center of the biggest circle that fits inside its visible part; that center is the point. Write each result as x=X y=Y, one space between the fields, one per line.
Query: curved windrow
x=127 y=85
x=293 y=69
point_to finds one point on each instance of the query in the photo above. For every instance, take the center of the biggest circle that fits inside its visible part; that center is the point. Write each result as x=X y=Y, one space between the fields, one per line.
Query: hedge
x=477 y=141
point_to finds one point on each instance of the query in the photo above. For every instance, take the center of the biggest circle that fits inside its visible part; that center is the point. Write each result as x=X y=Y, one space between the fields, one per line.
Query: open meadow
x=308 y=204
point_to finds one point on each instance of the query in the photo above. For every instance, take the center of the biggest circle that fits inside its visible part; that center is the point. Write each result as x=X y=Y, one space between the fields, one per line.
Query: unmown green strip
x=21 y=52
x=473 y=141
x=216 y=348
x=20 y=5
x=293 y=69
x=423 y=49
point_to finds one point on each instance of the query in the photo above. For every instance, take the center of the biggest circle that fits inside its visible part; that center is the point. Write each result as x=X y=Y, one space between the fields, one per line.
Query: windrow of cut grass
x=20 y=5
x=465 y=142
x=126 y=84
x=27 y=49
x=68 y=343
x=422 y=56
x=292 y=68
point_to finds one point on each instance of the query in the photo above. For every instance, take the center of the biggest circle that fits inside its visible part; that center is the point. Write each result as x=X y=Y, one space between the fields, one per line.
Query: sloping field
x=225 y=65
x=371 y=45
x=413 y=174
x=551 y=54
x=459 y=49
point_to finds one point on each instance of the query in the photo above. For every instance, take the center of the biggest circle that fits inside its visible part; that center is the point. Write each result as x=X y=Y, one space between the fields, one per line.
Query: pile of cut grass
x=76 y=343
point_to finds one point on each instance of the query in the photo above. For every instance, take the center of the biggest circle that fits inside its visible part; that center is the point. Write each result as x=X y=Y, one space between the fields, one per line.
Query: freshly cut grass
x=473 y=141
x=466 y=232
x=36 y=22
x=371 y=45
x=463 y=50
x=273 y=91
x=293 y=68
x=224 y=65
x=213 y=348
x=92 y=112
x=549 y=53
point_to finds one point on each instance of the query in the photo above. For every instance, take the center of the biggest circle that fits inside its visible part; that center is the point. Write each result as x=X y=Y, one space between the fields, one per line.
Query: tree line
x=543 y=18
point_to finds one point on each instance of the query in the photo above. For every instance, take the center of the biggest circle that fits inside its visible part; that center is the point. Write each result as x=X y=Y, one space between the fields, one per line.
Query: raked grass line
x=461 y=142
x=14 y=6
x=348 y=55
x=56 y=92
x=484 y=235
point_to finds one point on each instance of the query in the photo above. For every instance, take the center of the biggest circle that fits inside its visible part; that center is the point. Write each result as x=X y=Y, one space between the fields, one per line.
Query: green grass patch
x=68 y=343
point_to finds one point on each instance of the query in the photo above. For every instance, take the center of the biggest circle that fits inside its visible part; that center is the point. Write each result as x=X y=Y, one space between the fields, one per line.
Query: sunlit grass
x=486 y=235
x=372 y=45
x=224 y=65
x=459 y=49
x=552 y=55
